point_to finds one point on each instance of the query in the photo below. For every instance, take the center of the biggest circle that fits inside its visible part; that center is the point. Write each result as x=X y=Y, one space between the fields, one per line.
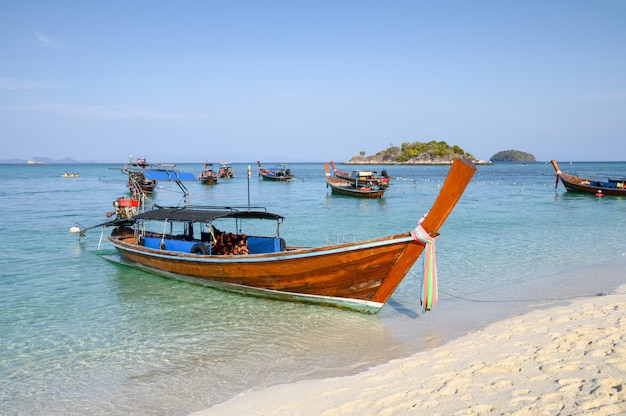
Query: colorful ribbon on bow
x=429 y=283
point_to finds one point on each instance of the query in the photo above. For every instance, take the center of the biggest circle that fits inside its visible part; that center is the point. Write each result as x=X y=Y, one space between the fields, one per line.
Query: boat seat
x=170 y=244
x=261 y=245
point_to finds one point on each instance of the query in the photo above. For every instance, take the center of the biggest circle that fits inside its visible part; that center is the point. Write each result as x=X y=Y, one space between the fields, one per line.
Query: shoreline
x=568 y=359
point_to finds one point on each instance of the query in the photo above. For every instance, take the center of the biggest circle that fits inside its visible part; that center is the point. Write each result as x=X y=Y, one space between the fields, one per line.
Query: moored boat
x=70 y=175
x=355 y=188
x=144 y=177
x=226 y=170
x=364 y=177
x=208 y=175
x=596 y=184
x=280 y=173
x=186 y=243
x=137 y=183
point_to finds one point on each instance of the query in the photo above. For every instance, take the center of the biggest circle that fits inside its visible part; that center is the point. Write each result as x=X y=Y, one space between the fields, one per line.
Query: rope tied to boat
x=428 y=298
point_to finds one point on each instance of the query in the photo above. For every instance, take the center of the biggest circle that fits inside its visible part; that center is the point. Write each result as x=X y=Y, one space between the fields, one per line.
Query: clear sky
x=307 y=81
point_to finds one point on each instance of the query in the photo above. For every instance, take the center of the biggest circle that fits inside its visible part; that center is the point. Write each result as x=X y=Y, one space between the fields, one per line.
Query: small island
x=417 y=153
x=512 y=156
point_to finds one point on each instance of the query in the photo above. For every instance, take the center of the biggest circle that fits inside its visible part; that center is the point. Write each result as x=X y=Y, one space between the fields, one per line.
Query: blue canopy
x=168 y=175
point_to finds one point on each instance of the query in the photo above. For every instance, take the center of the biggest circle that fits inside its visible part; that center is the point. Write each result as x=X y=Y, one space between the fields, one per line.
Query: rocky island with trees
x=417 y=153
x=512 y=156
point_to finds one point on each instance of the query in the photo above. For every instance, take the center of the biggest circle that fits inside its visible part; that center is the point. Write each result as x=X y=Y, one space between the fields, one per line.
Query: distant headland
x=42 y=161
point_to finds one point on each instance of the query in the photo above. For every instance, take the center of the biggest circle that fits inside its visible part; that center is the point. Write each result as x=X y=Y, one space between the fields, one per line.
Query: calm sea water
x=80 y=335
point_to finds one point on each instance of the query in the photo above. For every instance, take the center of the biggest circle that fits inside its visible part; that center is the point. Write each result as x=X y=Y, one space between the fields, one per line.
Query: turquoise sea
x=80 y=335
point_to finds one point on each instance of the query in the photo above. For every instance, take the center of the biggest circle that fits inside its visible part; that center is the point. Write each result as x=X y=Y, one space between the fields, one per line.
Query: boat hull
x=357 y=192
x=269 y=177
x=208 y=179
x=358 y=276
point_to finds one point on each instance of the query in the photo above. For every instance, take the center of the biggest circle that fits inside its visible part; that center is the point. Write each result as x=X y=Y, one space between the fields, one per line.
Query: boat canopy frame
x=205 y=215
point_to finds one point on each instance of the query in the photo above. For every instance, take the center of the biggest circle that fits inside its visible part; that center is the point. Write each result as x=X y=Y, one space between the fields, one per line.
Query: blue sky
x=307 y=81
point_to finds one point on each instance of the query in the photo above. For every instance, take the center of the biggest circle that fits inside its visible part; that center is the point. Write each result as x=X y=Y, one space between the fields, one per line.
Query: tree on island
x=512 y=156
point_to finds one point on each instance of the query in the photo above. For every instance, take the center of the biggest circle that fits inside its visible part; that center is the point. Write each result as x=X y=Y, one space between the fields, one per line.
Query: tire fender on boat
x=199 y=249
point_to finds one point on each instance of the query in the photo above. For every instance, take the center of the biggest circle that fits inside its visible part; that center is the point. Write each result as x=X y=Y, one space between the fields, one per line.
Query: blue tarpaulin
x=168 y=175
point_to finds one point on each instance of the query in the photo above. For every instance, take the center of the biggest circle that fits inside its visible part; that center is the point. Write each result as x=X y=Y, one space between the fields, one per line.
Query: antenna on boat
x=249 y=175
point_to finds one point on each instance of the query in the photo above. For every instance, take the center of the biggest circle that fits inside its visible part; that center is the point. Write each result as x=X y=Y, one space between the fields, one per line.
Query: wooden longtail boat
x=359 y=275
x=357 y=189
x=598 y=185
x=226 y=170
x=208 y=175
x=362 y=176
x=144 y=177
x=280 y=173
x=138 y=184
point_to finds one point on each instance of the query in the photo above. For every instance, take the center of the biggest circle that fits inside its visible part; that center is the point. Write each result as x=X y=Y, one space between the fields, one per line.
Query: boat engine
x=126 y=207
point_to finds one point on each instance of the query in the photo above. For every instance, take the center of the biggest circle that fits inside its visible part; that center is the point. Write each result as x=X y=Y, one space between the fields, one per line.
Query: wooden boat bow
x=458 y=178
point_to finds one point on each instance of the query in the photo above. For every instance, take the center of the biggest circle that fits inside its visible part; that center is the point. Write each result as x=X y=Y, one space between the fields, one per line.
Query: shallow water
x=84 y=336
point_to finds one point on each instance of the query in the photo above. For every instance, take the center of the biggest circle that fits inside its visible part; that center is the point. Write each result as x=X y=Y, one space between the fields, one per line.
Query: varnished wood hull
x=347 y=275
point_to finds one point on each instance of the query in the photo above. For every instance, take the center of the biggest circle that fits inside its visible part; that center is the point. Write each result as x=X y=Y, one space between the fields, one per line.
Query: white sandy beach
x=565 y=360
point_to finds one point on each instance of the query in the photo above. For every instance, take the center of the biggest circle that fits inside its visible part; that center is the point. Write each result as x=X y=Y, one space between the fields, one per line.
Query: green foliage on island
x=419 y=152
x=512 y=156
x=431 y=150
